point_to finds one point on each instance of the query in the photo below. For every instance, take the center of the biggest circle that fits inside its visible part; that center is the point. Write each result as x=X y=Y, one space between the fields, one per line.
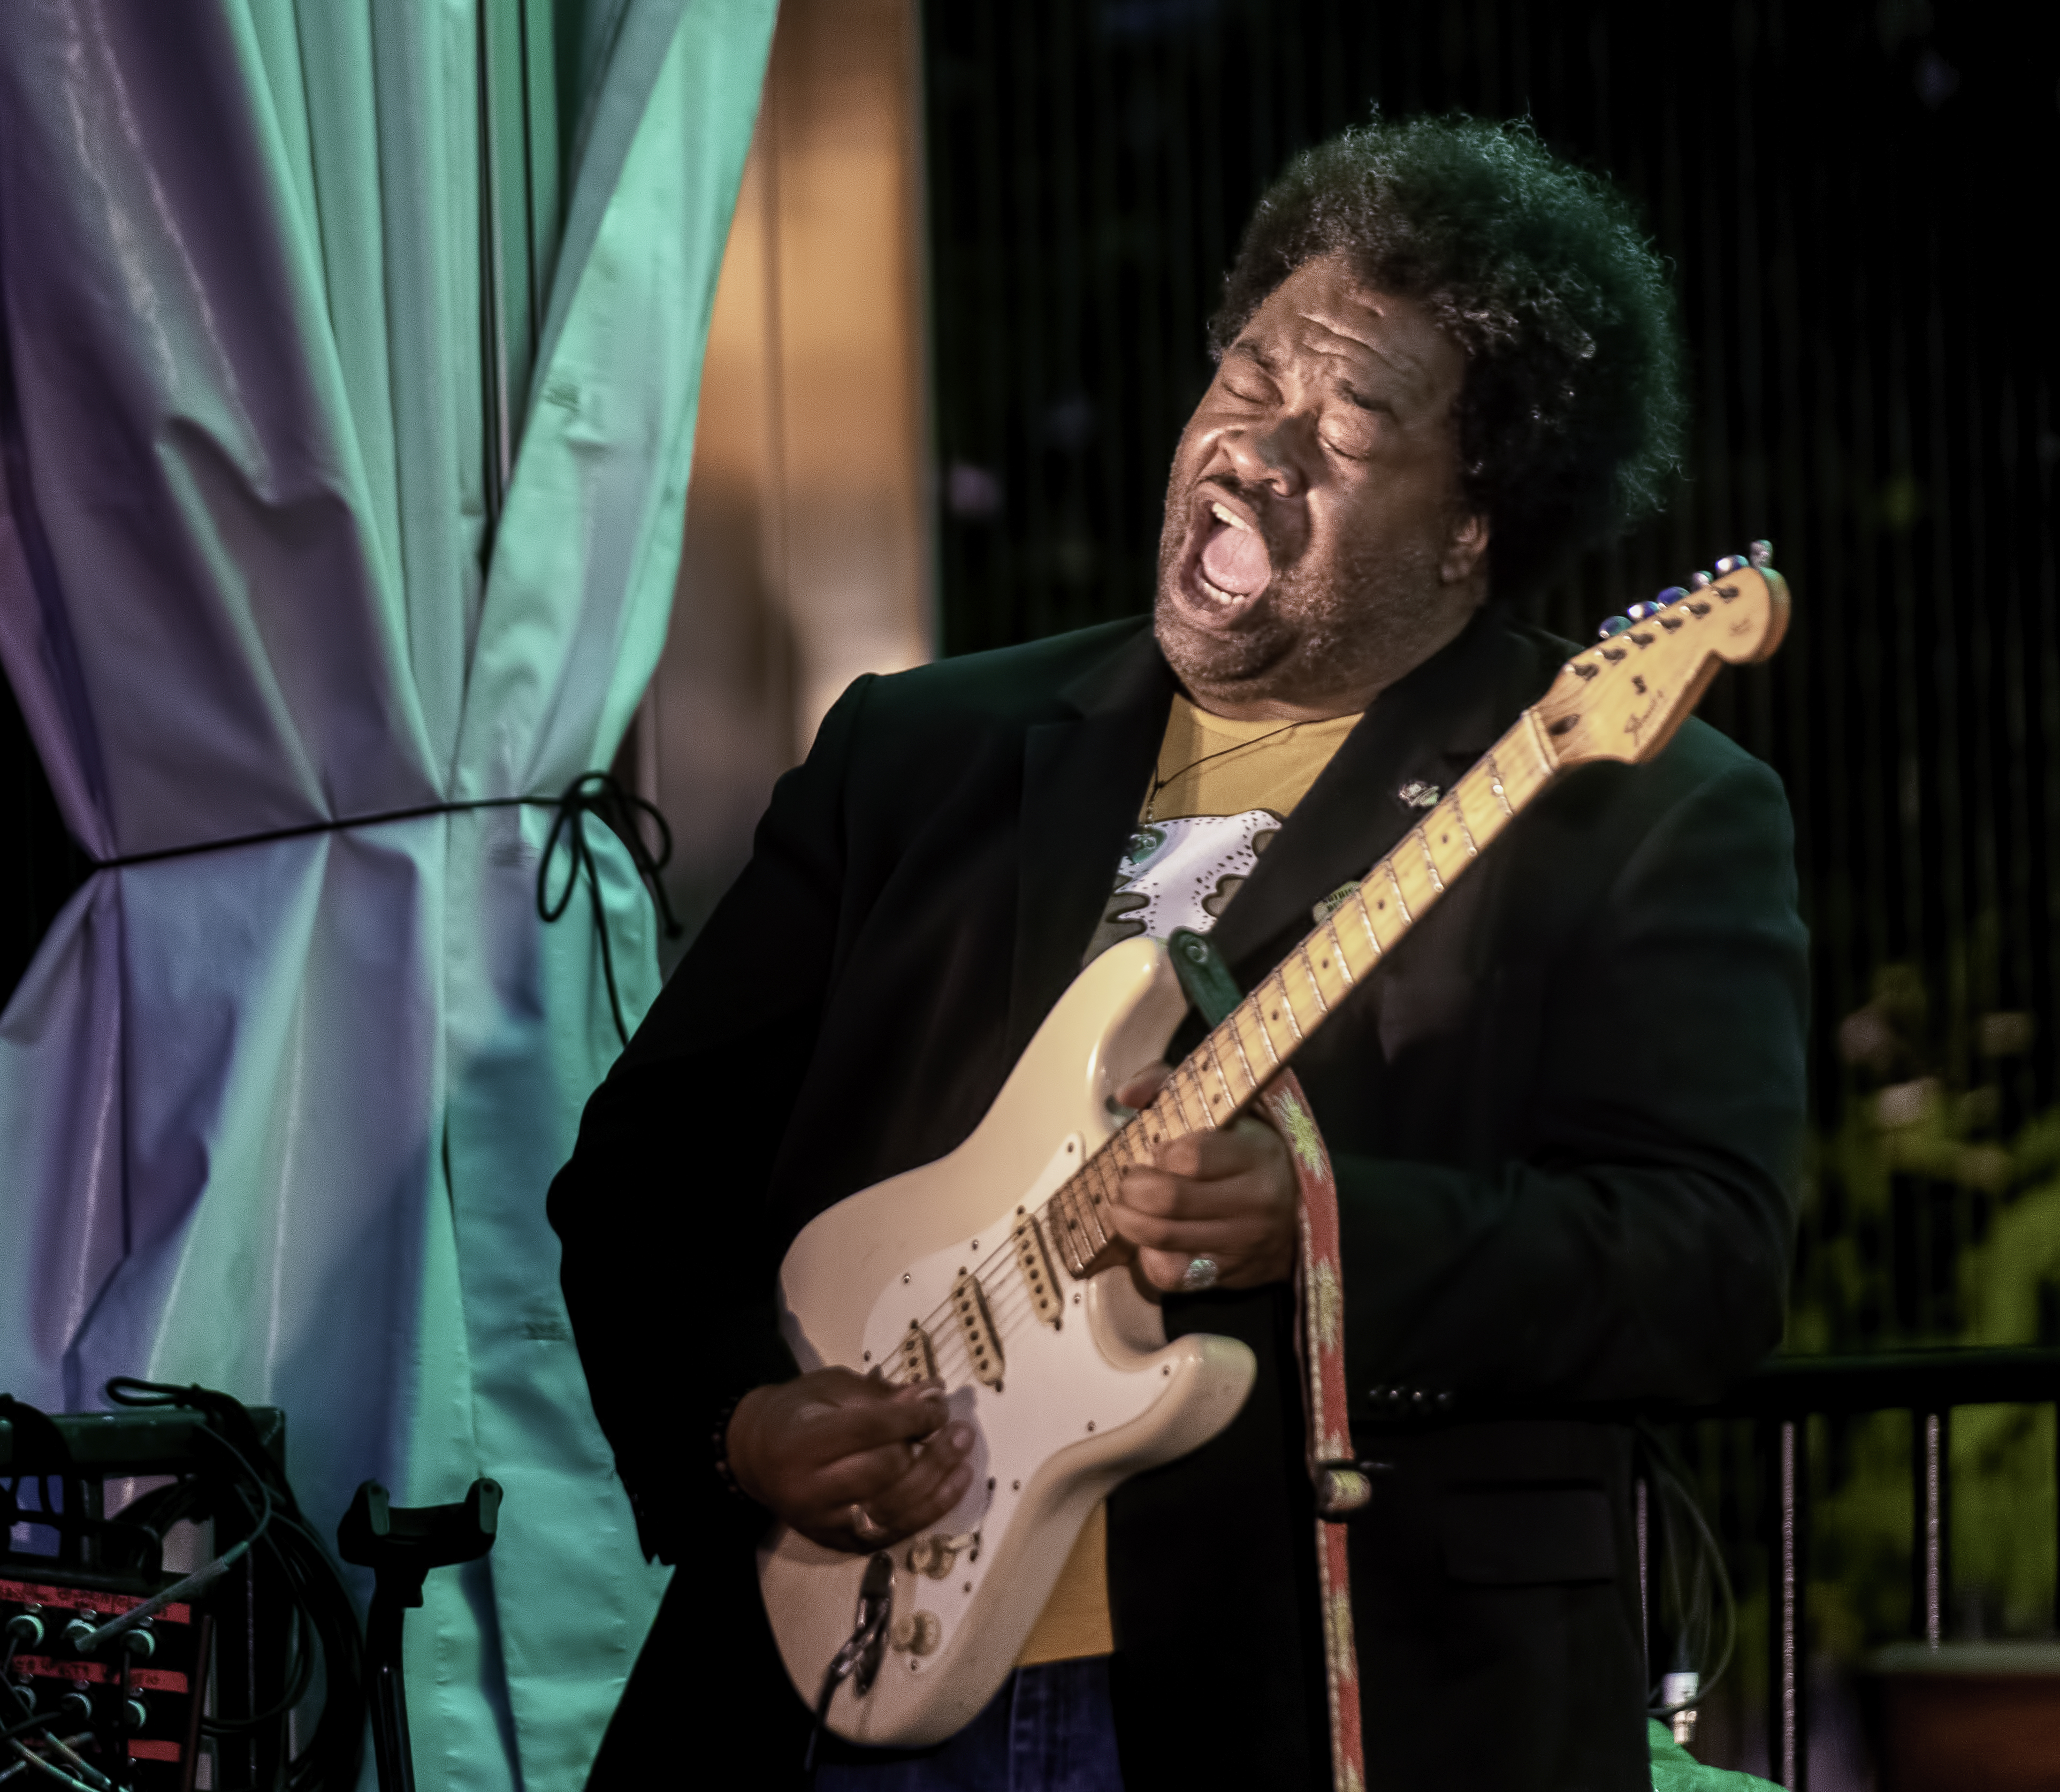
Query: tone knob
x=916 y=1632
x=932 y=1555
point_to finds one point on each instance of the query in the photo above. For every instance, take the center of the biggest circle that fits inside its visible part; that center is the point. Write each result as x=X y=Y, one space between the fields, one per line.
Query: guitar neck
x=1220 y=1078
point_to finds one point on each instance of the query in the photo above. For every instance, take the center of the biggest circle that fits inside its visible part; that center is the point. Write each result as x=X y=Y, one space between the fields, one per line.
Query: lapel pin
x=1418 y=795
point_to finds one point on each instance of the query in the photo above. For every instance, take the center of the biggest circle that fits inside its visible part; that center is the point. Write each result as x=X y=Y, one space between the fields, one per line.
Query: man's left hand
x=1226 y=1195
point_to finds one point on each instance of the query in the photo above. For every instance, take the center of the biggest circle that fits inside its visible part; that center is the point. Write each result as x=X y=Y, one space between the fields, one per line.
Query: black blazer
x=1565 y=1119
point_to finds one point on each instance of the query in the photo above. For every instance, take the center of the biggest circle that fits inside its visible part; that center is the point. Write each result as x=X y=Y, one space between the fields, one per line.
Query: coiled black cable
x=325 y=1625
x=1699 y=1593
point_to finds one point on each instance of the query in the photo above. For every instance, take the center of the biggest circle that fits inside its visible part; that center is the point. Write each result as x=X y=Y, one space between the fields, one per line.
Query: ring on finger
x=1201 y=1274
x=864 y=1526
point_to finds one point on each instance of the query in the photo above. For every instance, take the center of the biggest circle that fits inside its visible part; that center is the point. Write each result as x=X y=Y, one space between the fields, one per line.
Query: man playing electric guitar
x=1563 y=1119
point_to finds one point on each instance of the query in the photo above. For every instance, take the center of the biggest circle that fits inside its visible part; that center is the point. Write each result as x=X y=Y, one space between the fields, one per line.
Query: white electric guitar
x=998 y=1268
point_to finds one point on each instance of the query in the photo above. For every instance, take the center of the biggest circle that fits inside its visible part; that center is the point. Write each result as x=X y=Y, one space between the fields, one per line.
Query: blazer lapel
x=1083 y=779
x=1428 y=728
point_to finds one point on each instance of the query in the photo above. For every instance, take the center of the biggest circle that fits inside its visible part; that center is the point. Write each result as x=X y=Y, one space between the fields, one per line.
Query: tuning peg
x=1700 y=581
x=1729 y=564
x=1638 y=612
x=1673 y=594
x=1761 y=554
x=1616 y=626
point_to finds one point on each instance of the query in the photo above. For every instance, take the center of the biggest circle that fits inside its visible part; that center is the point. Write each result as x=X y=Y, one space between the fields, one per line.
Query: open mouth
x=1228 y=568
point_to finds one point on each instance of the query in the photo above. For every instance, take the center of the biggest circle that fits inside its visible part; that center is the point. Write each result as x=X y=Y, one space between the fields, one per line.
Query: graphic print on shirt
x=1181 y=873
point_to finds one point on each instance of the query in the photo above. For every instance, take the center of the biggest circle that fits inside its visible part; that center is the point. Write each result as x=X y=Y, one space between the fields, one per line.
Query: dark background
x=1856 y=200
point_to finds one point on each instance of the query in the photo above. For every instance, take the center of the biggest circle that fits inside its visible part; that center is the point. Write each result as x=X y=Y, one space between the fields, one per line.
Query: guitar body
x=985 y=1269
x=1063 y=1413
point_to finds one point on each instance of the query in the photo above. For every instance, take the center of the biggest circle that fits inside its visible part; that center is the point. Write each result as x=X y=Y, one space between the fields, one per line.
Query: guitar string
x=942 y=1340
x=987 y=1273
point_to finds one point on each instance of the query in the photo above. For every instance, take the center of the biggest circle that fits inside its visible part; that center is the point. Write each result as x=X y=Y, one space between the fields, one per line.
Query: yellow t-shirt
x=1218 y=795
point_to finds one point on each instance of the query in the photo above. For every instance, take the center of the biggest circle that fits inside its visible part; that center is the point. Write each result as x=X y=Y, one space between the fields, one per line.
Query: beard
x=1359 y=616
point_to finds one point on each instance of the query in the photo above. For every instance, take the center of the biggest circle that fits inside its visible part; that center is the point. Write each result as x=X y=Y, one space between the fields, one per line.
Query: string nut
x=1616 y=626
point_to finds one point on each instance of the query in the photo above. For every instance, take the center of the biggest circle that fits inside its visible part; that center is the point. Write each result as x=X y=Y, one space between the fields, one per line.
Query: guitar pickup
x=982 y=1347
x=915 y=1360
x=1035 y=1263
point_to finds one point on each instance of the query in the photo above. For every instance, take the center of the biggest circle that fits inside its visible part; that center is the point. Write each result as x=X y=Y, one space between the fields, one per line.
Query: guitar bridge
x=983 y=1347
x=1035 y=1261
x=915 y=1361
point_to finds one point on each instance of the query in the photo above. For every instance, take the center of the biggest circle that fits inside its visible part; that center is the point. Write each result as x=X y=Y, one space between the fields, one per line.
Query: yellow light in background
x=807 y=559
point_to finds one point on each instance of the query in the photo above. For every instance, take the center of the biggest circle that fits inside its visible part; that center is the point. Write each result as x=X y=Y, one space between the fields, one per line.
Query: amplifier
x=101 y=1514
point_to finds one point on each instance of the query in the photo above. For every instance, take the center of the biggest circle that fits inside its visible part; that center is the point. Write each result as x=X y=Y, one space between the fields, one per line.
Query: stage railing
x=1780 y=1397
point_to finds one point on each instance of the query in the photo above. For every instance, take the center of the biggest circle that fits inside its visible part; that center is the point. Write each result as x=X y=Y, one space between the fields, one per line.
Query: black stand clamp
x=401 y=1545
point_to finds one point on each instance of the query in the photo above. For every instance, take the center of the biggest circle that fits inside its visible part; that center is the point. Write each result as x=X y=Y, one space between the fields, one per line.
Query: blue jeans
x=1050 y=1729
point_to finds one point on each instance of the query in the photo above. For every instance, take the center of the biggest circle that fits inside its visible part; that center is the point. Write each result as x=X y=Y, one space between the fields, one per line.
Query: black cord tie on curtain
x=595 y=793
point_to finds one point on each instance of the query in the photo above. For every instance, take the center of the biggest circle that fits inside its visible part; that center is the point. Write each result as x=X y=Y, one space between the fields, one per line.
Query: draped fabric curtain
x=344 y=435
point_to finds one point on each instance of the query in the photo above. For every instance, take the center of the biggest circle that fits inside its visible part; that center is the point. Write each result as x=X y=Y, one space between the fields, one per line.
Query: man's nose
x=1271 y=454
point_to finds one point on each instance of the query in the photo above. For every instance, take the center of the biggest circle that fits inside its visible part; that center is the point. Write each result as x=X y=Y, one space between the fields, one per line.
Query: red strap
x=1341 y=1487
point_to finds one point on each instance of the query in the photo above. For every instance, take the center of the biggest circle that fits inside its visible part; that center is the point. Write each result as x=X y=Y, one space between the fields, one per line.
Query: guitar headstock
x=1625 y=696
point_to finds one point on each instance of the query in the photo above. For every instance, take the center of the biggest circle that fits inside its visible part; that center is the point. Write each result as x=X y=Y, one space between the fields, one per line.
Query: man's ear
x=1466 y=549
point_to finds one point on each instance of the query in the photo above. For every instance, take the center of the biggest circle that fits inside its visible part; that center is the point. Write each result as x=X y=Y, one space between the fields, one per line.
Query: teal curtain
x=351 y=350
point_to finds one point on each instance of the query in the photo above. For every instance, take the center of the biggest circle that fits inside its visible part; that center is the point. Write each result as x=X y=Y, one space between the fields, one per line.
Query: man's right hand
x=847 y=1459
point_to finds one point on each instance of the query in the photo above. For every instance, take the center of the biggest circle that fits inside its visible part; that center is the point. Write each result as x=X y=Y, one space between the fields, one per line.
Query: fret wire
x=1238 y=1044
x=1230 y=1094
x=1192 y=1067
x=1078 y=1226
x=1387 y=865
x=1494 y=784
x=1287 y=1002
x=1323 y=1007
x=1366 y=915
x=1430 y=863
x=1256 y=1001
x=1102 y=1235
x=1074 y=1240
x=1466 y=833
x=1085 y=1205
x=1547 y=761
x=1169 y=1133
x=1179 y=1107
x=1091 y=1211
x=1337 y=946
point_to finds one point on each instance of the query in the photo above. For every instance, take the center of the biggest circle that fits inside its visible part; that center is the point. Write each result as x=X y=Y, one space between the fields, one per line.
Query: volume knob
x=916 y=1632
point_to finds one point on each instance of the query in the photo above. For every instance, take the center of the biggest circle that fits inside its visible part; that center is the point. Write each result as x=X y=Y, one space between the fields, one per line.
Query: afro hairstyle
x=1571 y=413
